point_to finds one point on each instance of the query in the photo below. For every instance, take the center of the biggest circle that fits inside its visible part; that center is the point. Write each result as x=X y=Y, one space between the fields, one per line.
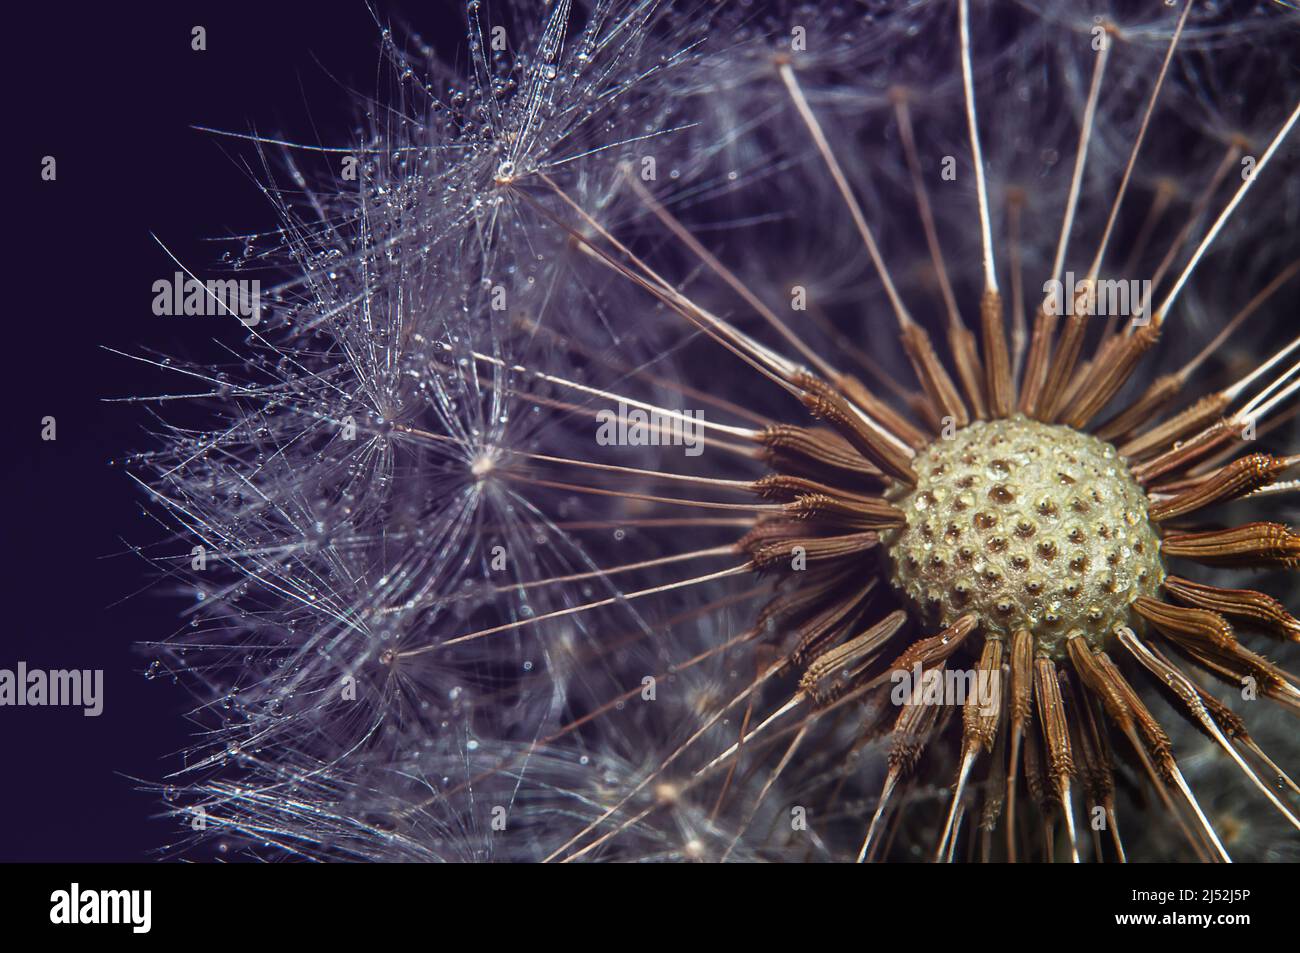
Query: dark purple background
x=111 y=92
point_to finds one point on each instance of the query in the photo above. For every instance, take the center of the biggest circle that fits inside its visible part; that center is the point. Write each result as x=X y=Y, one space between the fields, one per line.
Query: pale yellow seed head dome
x=1028 y=525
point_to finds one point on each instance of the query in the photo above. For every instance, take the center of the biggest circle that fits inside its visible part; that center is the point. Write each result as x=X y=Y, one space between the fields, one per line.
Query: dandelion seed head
x=467 y=630
x=1030 y=526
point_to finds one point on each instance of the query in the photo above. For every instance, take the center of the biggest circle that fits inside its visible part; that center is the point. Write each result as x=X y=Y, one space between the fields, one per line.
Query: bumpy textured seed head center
x=1028 y=525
